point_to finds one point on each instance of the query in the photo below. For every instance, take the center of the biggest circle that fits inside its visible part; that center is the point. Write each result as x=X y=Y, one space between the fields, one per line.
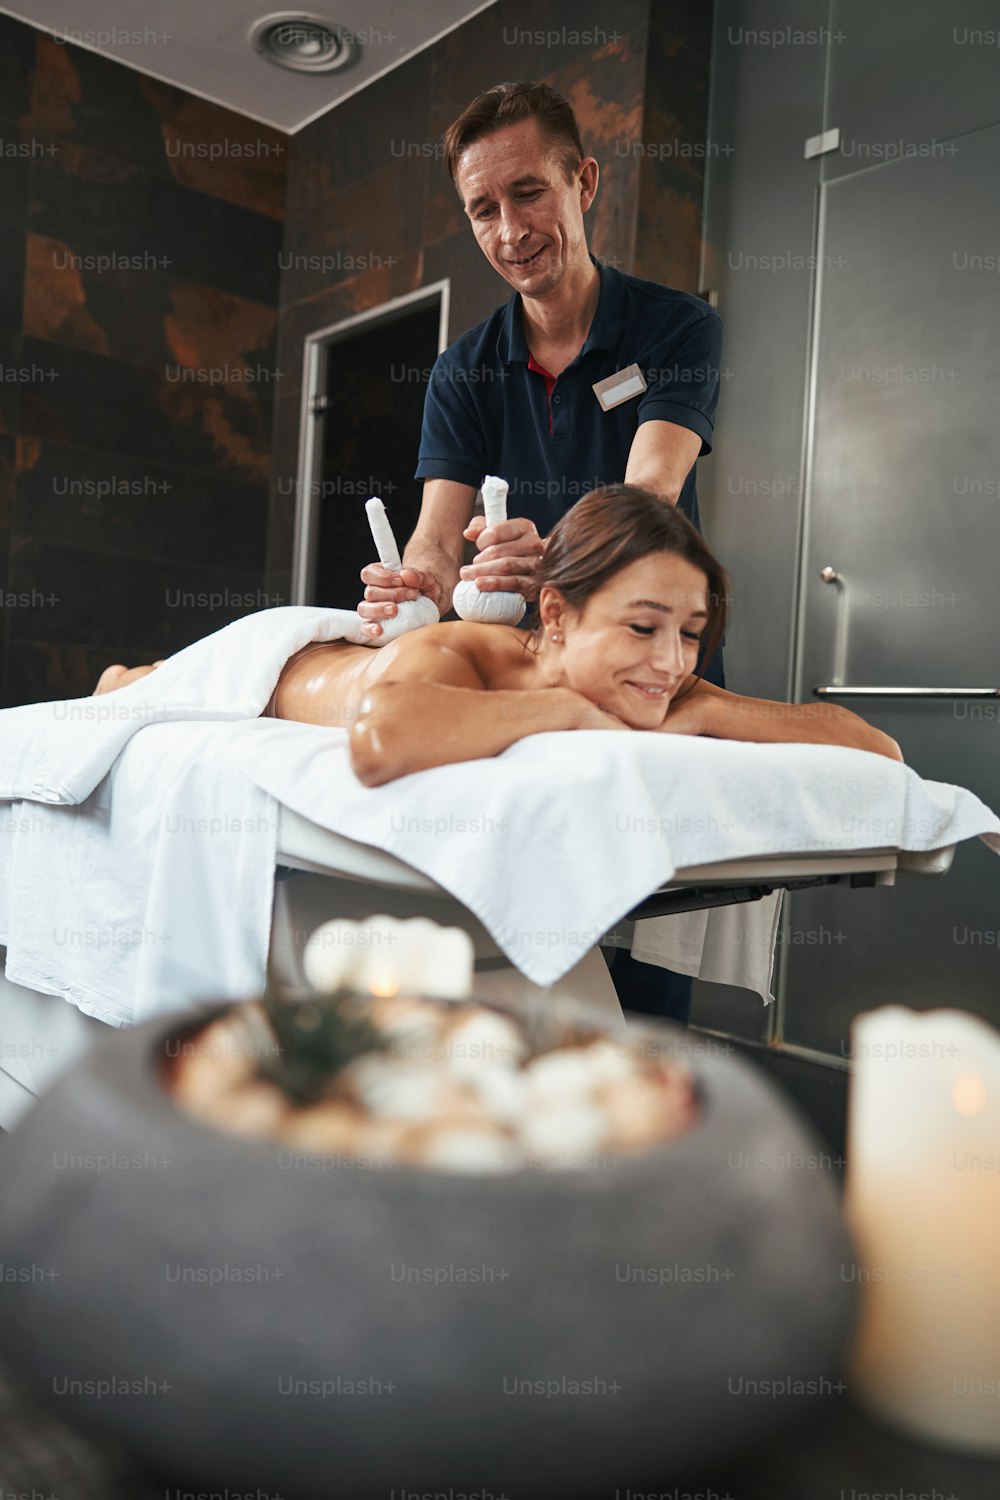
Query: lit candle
x=384 y=956
x=333 y=958
x=382 y=970
x=923 y=1205
x=439 y=962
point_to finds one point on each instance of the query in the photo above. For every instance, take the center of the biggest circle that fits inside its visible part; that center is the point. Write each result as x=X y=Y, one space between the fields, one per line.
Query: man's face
x=527 y=218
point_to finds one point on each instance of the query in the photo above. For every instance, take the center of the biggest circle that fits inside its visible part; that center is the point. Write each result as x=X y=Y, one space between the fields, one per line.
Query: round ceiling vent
x=304 y=43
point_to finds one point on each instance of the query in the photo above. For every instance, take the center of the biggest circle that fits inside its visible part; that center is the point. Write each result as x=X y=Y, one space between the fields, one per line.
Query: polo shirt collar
x=605 y=330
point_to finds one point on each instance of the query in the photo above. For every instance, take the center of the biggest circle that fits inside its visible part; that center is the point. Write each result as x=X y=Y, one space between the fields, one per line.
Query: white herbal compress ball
x=494 y=608
x=411 y=613
x=469 y=601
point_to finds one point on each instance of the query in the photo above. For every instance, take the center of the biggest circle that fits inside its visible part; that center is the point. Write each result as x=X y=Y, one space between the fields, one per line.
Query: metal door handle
x=835 y=691
x=838 y=689
x=831 y=576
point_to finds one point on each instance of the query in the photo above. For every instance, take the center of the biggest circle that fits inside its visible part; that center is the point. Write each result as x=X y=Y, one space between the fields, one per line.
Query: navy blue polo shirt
x=488 y=410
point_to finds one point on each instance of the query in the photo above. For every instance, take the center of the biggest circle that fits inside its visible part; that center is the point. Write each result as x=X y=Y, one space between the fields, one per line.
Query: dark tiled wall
x=140 y=231
x=371 y=213
x=674 y=148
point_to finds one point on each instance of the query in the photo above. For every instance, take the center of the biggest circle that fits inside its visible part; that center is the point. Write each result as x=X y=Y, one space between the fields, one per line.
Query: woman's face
x=631 y=647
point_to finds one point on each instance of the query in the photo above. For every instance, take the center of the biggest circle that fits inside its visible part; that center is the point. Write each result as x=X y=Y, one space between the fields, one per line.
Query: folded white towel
x=160 y=884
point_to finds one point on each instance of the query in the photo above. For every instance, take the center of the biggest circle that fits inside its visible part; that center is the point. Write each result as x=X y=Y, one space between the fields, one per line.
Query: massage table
x=188 y=744
x=352 y=879
x=321 y=874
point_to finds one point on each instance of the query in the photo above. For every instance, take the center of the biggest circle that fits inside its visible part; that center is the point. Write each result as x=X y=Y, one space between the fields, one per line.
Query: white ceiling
x=202 y=46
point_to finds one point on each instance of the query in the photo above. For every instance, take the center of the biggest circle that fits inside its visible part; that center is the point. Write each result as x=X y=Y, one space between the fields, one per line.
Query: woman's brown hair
x=614 y=526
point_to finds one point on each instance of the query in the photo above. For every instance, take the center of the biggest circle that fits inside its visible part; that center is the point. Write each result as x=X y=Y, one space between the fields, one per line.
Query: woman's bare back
x=326 y=681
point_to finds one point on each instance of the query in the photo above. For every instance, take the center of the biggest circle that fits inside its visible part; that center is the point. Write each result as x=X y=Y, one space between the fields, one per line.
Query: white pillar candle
x=411 y=614
x=495 y=607
x=381 y=972
x=384 y=957
x=923 y=1206
x=333 y=957
x=435 y=960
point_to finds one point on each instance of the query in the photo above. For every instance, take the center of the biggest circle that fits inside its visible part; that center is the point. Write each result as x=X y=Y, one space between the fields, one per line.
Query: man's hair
x=508 y=104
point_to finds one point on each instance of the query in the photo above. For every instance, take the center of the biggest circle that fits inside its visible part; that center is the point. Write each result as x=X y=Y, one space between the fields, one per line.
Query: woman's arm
x=441 y=712
x=711 y=710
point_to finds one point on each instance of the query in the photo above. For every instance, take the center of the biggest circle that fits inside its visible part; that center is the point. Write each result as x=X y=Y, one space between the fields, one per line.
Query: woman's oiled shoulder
x=480 y=635
x=493 y=650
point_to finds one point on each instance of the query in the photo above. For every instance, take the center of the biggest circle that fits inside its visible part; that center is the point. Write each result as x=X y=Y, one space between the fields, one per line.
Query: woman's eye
x=643 y=629
x=691 y=635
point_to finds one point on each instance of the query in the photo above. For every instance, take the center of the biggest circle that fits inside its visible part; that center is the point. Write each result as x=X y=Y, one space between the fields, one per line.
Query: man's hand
x=385 y=589
x=508 y=555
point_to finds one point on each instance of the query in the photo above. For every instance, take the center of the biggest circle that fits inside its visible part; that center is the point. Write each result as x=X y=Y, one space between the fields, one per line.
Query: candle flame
x=383 y=986
x=968 y=1094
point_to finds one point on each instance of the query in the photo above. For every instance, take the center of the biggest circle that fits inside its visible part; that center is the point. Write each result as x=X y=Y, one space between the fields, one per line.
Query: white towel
x=58 y=752
x=551 y=843
x=160 y=884
x=724 y=944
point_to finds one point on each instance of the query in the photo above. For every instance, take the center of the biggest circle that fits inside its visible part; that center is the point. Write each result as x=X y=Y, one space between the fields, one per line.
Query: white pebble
x=609 y=1062
x=456 y=1150
x=501 y=1091
x=566 y=1071
x=413 y=1037
x=484 y=1040
x=563 y=1130
x=390 y=1088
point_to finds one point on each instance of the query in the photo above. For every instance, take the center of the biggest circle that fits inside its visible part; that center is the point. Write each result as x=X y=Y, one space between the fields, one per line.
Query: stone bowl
x=242 y=1315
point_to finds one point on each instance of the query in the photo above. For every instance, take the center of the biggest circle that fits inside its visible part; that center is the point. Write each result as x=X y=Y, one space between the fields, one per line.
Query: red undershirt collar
x=550 y=381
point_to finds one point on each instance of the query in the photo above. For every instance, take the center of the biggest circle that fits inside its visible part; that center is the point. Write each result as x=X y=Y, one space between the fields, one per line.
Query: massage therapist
x=584 y=377
x=515 y=395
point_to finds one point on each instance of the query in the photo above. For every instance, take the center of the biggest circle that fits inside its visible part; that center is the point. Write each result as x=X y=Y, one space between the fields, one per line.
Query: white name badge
x=619 y=387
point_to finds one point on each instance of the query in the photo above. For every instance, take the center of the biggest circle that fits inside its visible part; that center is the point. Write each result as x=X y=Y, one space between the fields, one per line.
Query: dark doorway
x=365 y=406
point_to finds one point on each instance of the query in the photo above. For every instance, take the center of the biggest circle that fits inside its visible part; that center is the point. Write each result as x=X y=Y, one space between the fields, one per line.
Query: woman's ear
x=552 y=608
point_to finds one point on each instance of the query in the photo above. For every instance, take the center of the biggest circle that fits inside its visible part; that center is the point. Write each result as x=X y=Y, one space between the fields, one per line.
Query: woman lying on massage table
x=629 y=595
